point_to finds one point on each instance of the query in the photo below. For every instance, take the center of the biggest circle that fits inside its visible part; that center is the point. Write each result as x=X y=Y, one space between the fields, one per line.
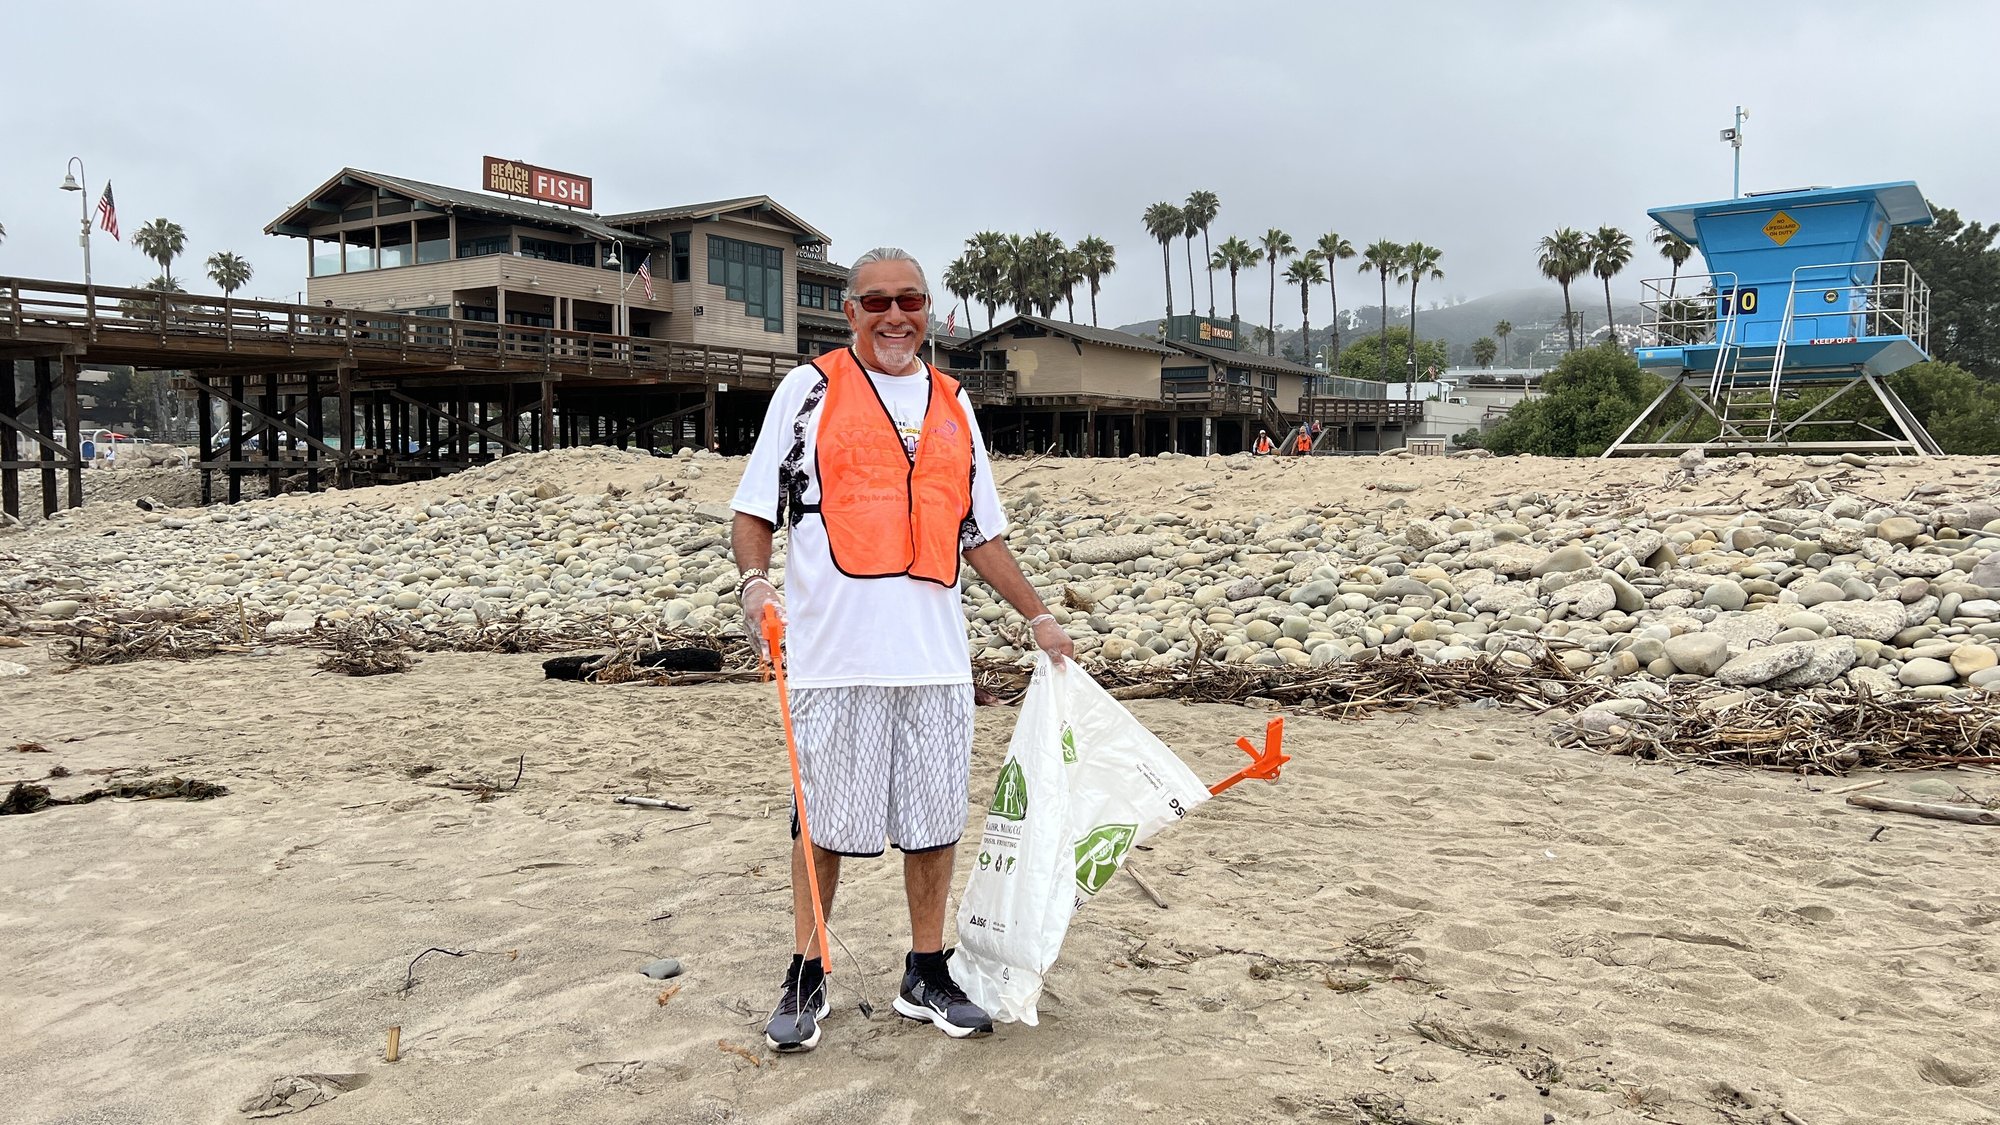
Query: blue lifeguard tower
x=1798 y=296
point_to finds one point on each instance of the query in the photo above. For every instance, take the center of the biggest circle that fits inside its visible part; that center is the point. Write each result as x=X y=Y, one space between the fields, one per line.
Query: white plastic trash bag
x=1083 y=781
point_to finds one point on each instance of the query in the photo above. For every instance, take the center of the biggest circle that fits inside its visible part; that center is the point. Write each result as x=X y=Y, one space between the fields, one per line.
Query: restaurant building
x=739 y=273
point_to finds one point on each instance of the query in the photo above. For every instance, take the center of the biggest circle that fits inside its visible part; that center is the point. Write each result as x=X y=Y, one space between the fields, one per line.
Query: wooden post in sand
x=395 y=1044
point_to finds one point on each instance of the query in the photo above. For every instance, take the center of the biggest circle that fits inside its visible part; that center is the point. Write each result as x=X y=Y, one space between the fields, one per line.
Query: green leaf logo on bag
x=1098 y=854
x=1010 y=793
x=1069 y=745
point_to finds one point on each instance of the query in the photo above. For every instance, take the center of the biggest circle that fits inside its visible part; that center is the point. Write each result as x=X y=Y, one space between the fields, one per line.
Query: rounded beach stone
x=663 y=968
x=1925 y=671
x=1969 y=659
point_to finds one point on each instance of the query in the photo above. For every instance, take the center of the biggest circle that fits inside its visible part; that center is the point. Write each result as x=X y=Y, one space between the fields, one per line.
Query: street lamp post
x=77 y=182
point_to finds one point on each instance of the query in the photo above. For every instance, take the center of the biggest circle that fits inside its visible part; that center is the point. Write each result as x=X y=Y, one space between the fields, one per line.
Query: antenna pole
x=1736 y=143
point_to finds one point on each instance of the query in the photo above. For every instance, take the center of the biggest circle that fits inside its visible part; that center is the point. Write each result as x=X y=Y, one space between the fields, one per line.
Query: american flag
x=951 y=321
x=646 y=275
x=107 y=213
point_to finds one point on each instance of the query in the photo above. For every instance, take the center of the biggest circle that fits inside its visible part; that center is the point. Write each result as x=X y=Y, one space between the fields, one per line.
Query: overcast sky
x=1477 y=127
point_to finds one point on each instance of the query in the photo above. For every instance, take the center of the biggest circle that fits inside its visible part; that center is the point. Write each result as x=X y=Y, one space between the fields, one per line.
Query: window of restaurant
x=361 y=256
x=481 y=247
x=397 y=249
x=682 y=267
x=530 y=319
x=751 y=273
x=433 y=241
x=325 y=256
x=551 y=251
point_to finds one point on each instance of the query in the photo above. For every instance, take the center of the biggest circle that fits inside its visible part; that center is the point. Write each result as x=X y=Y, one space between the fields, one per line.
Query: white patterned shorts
x=882 y=763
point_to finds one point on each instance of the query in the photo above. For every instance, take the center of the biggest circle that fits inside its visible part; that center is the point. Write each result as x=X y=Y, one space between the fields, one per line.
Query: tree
x=1504 y=329
x=229 y=272
x=1276 y=246
x=987 y=252
x=1306 y=273
x=961 y=280
x=1164 y=222
x=1420 y=263
x=1610 y=251
x=1068 y=277
x=1588 y=399
x=1962 y=266
x=1483 y=351
x=3 y=232
x=1234 y=255
x=1675 y=250
x=161 y=241
x=1097 y=259
x=1961 y=410
x=1366 y=358
x=1562 y=258
x=1335 y=250
x=1202 y=207
x=1381 y=257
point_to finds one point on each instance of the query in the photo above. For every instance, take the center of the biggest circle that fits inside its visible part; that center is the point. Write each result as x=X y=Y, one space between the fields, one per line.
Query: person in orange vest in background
x=1304 y=444
x=1262 y=446
x=874 y=458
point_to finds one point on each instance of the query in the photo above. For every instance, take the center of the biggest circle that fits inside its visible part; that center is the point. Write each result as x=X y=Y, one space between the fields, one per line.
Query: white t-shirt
x=844 y=631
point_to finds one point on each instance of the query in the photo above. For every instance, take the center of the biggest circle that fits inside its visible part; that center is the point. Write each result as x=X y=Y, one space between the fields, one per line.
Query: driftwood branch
x=1935 y=812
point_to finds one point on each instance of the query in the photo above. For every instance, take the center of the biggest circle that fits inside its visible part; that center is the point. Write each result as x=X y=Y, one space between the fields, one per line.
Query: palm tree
x=1305 y=273
x=1165 y=222
x=1562 y=258
x=3 y=232
x=1335 y=250
x=1504 y=329
x=1201 y=210
x=1069 y=275
x=1188 y=229
x=1234 y=255
x=1382 y=256
x=1674 y=249
x=1420 y=263
x=961 y=280
x=161 y=241
x=1276 y=246
x=1483 y=350
x=1047 y=257
x=1610 y=250
x=1096 y=259
x=229 y=271
x=988 y=253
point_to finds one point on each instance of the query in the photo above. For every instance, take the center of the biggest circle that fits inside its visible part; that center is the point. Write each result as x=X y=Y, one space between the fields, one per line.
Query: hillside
x=1535 y=314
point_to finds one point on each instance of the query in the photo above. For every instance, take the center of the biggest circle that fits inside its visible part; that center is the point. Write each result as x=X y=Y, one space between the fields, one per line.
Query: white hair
x=889 y=254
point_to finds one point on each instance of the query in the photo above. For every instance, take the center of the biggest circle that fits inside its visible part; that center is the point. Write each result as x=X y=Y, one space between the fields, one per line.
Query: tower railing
x=1667 y=319
x=1892 y=301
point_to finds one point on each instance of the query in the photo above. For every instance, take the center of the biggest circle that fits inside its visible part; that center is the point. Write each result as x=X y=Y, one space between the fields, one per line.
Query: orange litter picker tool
x=774 y=638
x=1264 y=764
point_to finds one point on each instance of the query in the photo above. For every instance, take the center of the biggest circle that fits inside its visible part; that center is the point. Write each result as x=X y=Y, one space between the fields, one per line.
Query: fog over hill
x=1535 y=313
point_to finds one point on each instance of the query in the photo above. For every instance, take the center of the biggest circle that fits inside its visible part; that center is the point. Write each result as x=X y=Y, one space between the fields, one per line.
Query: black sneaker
x=931 y=994
x=795 y=1025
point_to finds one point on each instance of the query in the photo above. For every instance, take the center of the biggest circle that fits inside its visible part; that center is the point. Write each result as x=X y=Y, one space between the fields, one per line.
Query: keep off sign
x=510 y=177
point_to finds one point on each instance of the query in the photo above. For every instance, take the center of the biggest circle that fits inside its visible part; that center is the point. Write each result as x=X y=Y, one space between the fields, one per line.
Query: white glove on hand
x=1050 y=638
x=756 y=596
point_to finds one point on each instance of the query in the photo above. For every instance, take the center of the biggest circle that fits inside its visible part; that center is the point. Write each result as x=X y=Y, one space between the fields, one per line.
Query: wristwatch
x=754 y=573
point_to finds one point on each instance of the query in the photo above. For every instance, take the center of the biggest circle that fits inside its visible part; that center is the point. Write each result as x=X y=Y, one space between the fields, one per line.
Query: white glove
x=1050 y=638
x=757 y=594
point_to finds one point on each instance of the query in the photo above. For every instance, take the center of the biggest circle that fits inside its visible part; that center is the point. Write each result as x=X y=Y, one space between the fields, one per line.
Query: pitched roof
x=715 y=208
x=458 y=199
x=1246 y=360
x=1110 y=338
x=820 y=268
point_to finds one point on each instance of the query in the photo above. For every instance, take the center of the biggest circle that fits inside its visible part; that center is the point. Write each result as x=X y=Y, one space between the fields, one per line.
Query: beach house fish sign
x=511 y=177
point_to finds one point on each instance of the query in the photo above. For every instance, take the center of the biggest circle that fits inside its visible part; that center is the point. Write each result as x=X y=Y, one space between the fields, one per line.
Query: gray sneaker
x=795 y=1025
x=937 y=999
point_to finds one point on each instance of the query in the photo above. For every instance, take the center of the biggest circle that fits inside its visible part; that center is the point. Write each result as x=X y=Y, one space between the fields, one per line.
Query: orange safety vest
x=888 y=515
x=1305 y=443
x=1263 y=445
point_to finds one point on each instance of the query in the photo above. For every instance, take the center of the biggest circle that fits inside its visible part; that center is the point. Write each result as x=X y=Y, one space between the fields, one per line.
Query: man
x=875 y=460
x=1262 y=446
x=1304 y=444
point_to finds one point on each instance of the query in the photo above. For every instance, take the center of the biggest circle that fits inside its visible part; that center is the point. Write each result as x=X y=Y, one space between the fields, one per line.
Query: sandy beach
x=1433 y=917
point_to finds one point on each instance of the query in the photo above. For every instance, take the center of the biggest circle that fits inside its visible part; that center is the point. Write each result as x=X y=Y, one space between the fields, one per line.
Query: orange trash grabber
x=774 y=637
x=1265 y=763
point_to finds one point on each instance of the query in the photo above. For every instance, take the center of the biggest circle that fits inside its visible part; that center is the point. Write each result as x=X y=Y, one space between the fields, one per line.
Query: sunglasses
x=880 y=302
